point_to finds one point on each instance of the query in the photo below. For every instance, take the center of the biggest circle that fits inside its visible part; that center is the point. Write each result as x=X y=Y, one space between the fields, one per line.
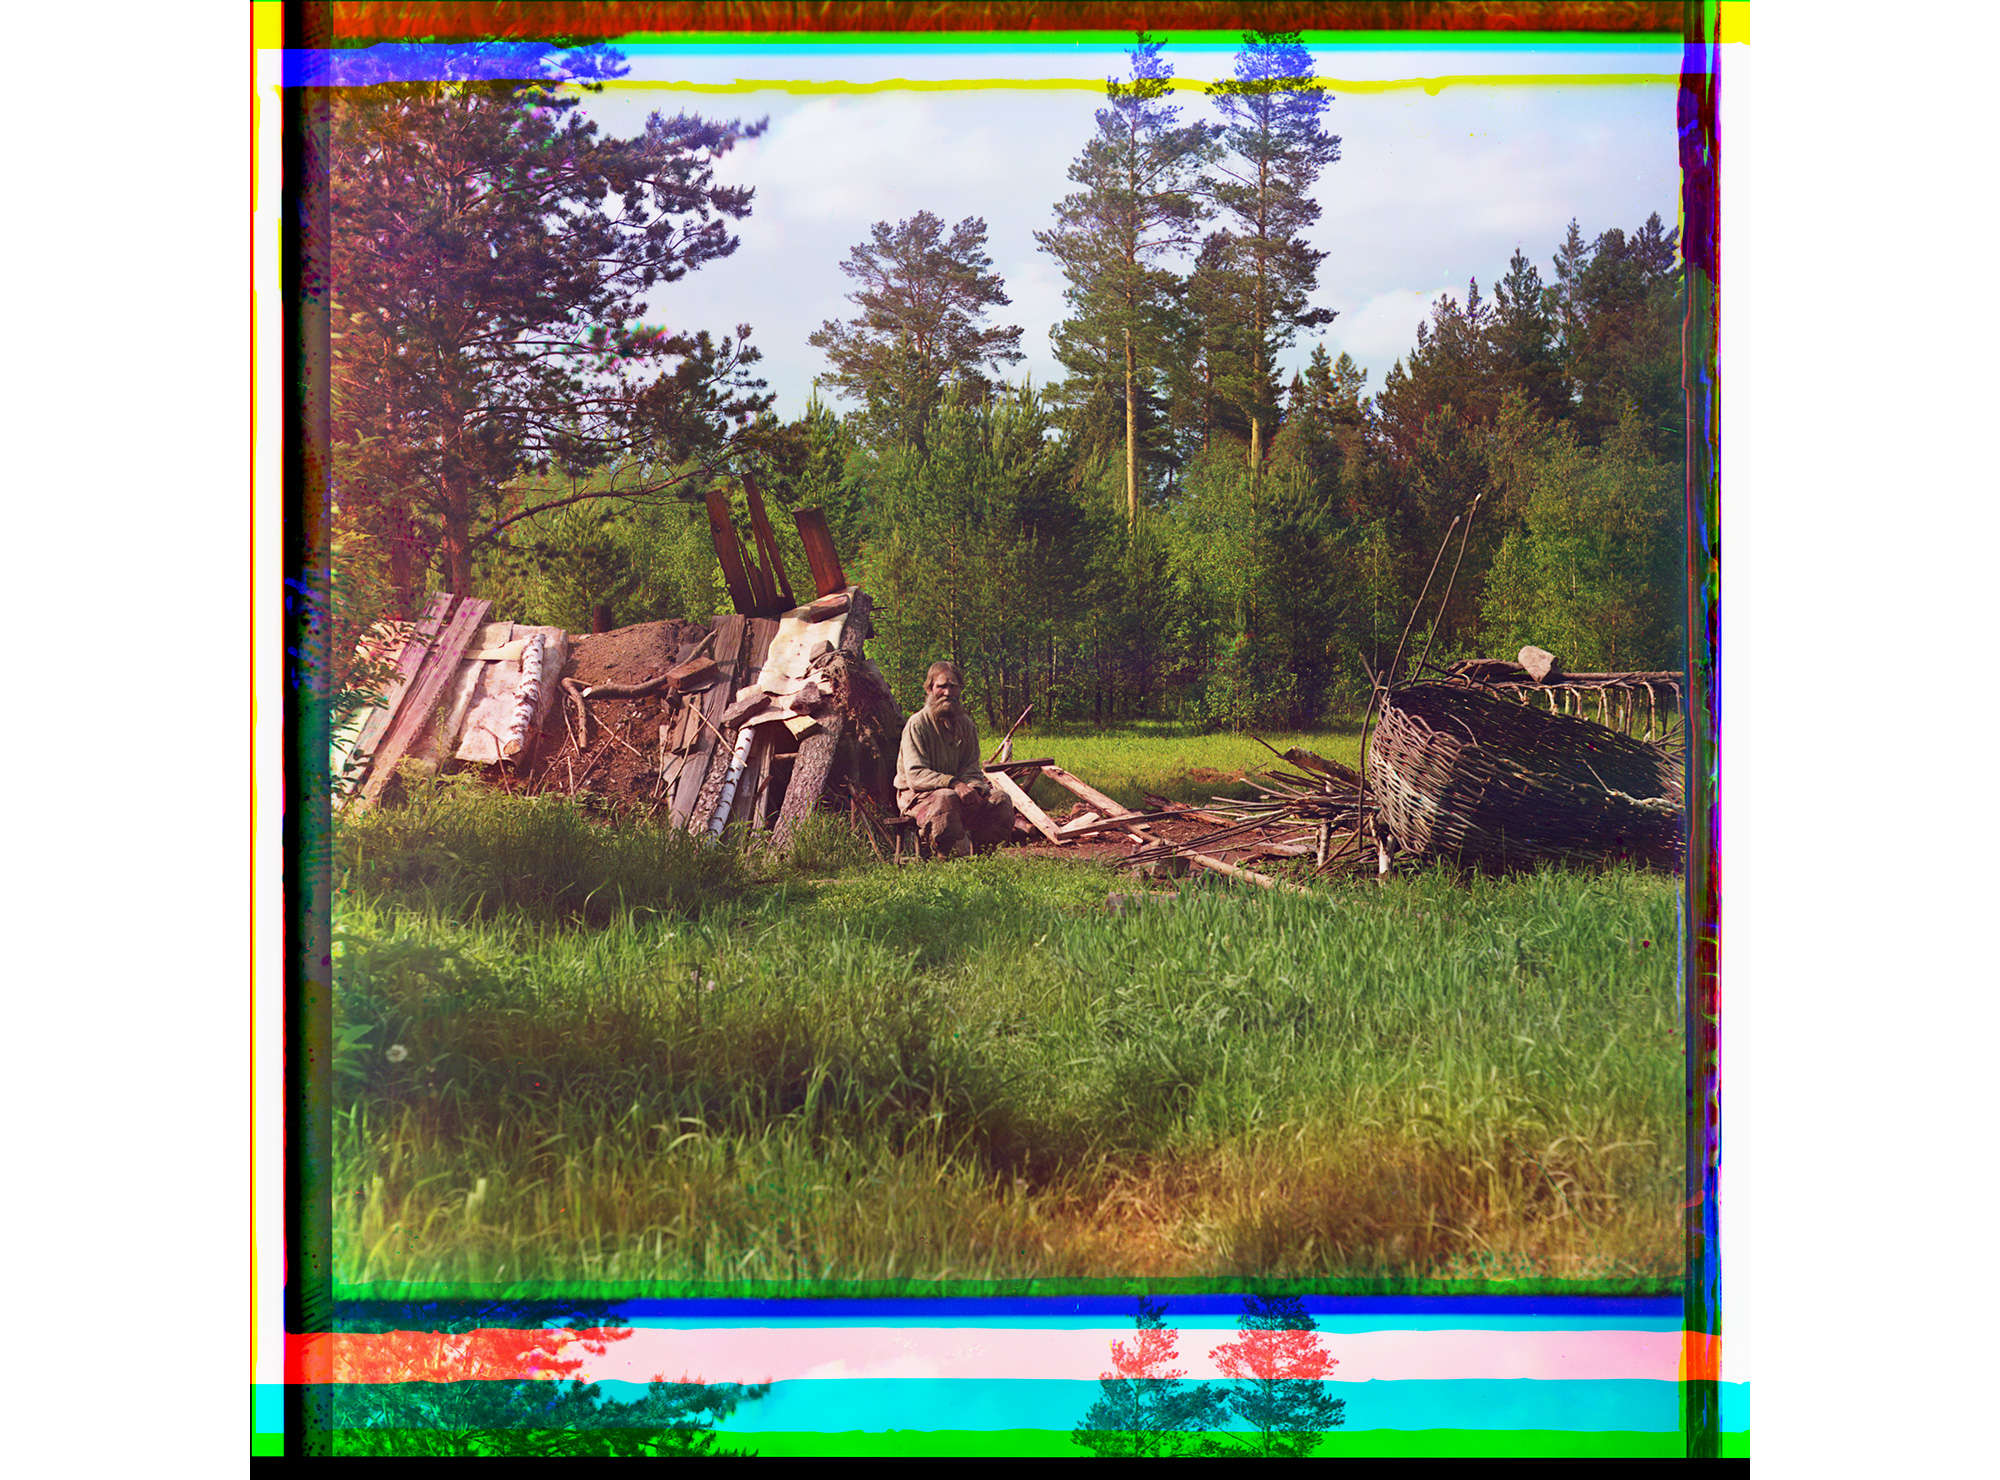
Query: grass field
x=578 y=1053
x=1181 y=762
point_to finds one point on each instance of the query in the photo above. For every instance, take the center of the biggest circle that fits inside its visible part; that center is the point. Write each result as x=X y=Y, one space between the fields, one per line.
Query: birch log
x=527 y=699
x=737 y=761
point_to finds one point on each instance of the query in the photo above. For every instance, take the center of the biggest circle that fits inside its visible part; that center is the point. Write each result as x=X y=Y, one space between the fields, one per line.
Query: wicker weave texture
x=1460 y=773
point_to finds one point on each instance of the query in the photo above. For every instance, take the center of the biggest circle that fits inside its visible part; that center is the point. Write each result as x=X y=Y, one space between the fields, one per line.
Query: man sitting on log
x=939 y=780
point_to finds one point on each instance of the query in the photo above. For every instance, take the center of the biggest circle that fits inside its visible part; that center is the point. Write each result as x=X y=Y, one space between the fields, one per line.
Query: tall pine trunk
x=406 y=569
x=457 y=553
x=1131 y=437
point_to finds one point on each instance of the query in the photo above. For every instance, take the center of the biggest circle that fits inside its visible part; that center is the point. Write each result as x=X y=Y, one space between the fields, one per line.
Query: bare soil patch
x=621 y=762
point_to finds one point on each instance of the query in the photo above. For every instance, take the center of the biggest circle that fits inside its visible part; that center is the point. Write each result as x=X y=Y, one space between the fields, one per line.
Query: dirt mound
x=620 y=766
x=631 y=654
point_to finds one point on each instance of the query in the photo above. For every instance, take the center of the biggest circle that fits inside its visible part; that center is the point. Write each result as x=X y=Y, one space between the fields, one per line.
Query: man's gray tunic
x=932 y=758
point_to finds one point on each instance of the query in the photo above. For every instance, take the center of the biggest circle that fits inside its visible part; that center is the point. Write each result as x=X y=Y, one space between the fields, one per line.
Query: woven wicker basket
x=1460 y=773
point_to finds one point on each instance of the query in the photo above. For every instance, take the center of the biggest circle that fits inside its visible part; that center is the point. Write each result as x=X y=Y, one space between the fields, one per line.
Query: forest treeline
x=1171 y=529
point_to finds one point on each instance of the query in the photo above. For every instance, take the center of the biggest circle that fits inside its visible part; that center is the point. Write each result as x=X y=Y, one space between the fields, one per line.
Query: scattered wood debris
x=761 y=715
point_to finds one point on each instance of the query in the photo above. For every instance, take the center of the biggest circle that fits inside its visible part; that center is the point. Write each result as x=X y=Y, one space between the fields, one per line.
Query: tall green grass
x=978 y=1070
x=456 y=847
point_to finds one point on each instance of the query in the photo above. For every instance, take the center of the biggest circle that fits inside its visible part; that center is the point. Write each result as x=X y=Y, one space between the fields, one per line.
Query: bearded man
x=939 y=780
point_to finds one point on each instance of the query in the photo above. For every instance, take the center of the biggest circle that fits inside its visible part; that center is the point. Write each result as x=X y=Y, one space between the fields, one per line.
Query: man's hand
x=967 y=790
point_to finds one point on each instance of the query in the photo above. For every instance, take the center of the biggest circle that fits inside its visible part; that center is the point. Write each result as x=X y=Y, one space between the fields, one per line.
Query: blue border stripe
x=1388 y=1312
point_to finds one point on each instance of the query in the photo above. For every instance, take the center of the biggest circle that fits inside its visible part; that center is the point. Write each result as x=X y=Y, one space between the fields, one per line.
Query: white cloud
x=1382 y=330
x=1432 y=189
x=846 y=162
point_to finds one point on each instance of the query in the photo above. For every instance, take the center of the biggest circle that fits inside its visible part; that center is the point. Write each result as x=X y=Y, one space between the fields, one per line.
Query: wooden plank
x=1084 y=792
x=409 y=662
x=1182 y=809
x=764 y=599
x=1025 y=805
x=413 y=716
x=691 y=727
x=821 y=556
x=767 y=544
x=816 y=752
x=732 y=634
x=762 y=631
x=1126 y=818
x=729 y=551
x=1090 y=822
x=756 y=768
x=1015 y=768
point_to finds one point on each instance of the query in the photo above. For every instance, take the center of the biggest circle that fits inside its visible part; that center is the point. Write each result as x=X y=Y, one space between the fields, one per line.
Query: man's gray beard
x=945 y=710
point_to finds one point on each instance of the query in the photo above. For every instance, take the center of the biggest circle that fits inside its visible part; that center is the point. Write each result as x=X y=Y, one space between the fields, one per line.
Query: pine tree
x=1323 y=423
x=1279 y=1368
x=1523 y=340
x=1146 y=1410
x=918 y=335
x=1272 y=110
x=500 y=1379
x=1215 y=357
x=1565 y=303
x=1629 y=302
x=486 y=298
x=1140 y=203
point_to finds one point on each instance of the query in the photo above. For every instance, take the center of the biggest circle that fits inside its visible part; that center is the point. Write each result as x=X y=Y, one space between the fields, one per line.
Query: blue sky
x=1436 y=184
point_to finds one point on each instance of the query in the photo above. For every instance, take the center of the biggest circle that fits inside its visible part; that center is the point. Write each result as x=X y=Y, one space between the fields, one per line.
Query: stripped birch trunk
x=527 y=701
x=736 y=764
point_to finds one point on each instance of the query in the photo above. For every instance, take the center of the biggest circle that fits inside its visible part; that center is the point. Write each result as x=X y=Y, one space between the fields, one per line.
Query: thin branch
x=578 y=498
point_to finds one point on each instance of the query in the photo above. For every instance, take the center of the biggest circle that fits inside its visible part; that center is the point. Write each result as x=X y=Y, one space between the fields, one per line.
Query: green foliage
x=647 y=560
x=533 y=1418
x=1596 y=574
x=979 y=545
x=1140 y=203
x=918 y=336
x=826 y=475
x=1270 y=601
x=487 y=302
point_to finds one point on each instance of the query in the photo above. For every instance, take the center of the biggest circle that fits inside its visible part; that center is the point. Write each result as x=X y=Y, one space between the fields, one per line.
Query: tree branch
x=577 y=498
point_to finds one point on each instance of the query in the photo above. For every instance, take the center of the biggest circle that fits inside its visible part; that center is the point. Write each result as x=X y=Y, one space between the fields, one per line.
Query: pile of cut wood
x=743 y=719
x=751 y=717
x=1494 y=767
x=463 y=690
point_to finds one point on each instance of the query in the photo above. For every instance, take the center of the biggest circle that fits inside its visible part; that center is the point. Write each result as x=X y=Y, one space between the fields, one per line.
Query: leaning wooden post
x=816 y=754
